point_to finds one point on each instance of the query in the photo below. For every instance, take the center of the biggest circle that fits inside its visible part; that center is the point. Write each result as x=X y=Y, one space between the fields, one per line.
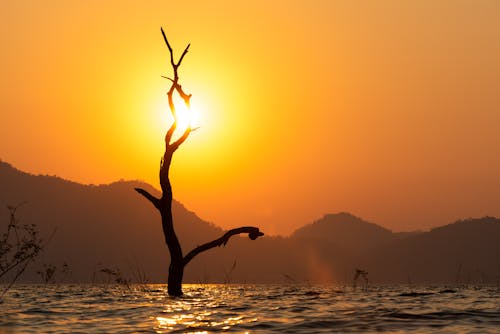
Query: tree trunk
x=175 y=273
x=176 y=268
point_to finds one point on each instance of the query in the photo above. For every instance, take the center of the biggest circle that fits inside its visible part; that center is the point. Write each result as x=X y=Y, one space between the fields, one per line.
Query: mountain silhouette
x=100 y=226
x=346 y=231
x=462 y=252
x=97 y=226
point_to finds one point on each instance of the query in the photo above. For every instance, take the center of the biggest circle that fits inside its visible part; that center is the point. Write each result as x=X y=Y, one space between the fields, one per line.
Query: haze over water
x=249 y=308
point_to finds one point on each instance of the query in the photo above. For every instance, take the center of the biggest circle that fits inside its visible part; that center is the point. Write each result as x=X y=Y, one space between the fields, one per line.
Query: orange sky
x=386 y=109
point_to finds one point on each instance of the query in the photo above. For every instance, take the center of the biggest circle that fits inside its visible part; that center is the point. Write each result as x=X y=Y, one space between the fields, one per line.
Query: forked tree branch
x=174 y=65
x=175 y=87
x=183 y=95
x=253 y=233
x=181 y=140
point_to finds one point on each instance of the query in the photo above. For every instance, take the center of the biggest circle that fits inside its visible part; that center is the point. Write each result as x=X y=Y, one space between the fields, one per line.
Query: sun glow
x=187 y=116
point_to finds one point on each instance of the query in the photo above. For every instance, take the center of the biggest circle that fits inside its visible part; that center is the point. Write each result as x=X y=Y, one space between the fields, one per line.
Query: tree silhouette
x=19 y=246
x=164 y=204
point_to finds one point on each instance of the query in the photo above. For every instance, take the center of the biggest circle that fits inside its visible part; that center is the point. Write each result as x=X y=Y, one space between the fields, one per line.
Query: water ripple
x=248 y=308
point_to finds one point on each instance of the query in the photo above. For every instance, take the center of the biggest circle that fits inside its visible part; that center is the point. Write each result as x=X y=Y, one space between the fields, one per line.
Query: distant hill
x=465 y=251
x=346 y=231
x=107 y=224
x=112 y=226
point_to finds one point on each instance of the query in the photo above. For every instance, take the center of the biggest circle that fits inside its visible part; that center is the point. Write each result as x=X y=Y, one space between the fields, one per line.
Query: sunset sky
x=389 y=110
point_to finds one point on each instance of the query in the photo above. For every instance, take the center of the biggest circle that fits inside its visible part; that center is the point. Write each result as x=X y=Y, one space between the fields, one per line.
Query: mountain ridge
x=346 y=231
x=110 y=225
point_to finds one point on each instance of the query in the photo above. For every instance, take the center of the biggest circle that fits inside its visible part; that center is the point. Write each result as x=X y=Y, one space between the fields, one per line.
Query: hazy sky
x=386 y=109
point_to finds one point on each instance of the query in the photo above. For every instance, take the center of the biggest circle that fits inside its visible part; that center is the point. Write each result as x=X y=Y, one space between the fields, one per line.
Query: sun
x=192 y=116
x=187 y=116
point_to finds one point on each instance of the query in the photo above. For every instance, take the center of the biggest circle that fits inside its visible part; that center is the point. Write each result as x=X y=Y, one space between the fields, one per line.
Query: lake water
x=249 y=308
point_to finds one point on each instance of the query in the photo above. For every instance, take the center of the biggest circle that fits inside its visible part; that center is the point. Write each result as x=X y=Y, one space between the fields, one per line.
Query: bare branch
x=181 y=140
x=169 y=47
x=170 y=133
x=183 y=54
x=171 y=105
x=155 y=201
x=175 y=87
x=14 y=264
x=253 y=233
x=19 y=273
x=164 y=77
x=170 y=95
x=184 y=96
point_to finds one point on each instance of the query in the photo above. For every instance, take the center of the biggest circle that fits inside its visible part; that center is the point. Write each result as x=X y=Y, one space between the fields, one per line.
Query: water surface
x=249 y=308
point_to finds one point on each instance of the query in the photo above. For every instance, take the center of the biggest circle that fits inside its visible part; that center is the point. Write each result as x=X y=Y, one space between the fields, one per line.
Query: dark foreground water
x=249 y=308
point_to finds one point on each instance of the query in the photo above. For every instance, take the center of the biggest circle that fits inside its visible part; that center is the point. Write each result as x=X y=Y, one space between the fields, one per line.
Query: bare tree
x=19 y=246
x=164 y=204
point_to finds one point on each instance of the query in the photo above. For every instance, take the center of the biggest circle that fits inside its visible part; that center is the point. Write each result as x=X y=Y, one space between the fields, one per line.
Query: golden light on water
x=280 y=308
x=199 y=320
x=166 y=323
x=197 y=314
x=192 y=321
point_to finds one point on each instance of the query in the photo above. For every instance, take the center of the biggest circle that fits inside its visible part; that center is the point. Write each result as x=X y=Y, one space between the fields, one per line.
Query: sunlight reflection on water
x=247 y=308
